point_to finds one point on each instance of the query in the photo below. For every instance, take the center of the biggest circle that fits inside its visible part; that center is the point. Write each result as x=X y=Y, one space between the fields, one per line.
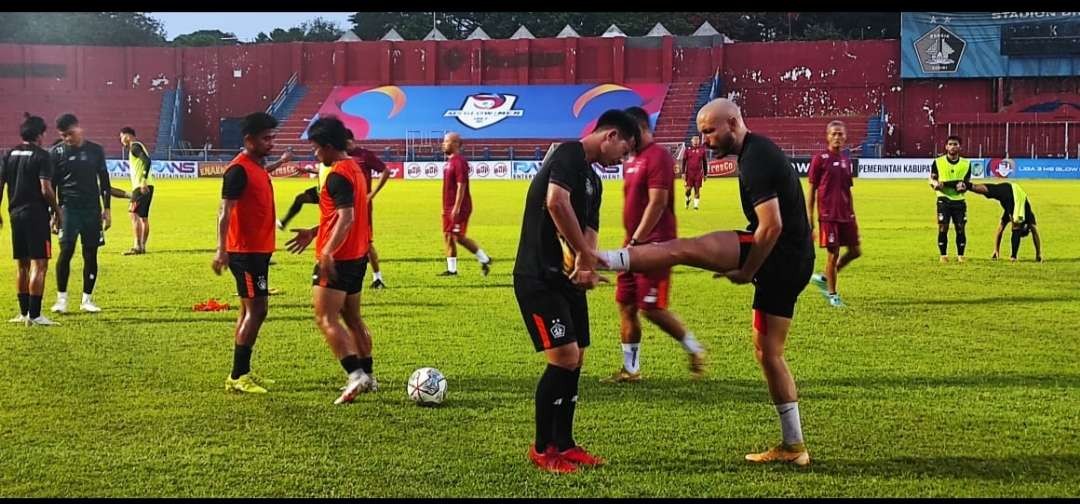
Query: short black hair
x=330 y=131
x=32 y=128
x=128 y=130
x=640 y=115
x=349 y=134
x=256 y=123
x=620 y=121
x=66 y=121
x=954 y=137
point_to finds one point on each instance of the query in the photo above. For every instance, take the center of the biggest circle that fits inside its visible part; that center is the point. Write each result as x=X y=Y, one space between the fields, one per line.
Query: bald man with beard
x=457 y=207
x=775 y=253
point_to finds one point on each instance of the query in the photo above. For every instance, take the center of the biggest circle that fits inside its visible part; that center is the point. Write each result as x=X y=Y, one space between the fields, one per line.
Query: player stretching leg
x=695 y=168
x=457 y=207
x=341 y=246
x=562 y=215
x=950 y=176
x=27 y=172
x=1016 y=212
x=82 y=184
x=776 y=254
x=830 y=188
x=245 y=242
x=649 y=217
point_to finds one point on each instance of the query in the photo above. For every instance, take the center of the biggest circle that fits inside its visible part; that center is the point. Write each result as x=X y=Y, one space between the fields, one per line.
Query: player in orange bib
x=342 y=239
x=245 y=242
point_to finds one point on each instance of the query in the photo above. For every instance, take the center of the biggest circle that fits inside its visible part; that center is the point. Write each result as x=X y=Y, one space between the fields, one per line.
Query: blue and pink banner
x=485 y=112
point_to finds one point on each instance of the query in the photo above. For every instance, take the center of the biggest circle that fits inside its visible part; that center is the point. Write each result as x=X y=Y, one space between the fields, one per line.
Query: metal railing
x=174 y=127
x=284 y=93
x=1050 y=138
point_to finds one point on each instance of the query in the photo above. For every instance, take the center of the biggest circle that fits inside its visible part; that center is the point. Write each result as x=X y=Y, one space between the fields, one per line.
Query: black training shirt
x=540 y=253
x=80 y=176
x=22 y=171
x=766 y=173
x=1003 y=193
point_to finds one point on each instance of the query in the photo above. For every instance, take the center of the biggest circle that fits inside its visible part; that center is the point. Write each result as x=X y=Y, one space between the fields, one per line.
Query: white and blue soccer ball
x=427 y=387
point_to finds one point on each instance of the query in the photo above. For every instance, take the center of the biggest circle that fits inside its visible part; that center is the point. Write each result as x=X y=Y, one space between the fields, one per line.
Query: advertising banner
x=989 y=44
x=909 y=168
x=1034 y=168
x=119 y=168
x=524 y=169
x=726 y=167
x=478 y=170
x=488 y=112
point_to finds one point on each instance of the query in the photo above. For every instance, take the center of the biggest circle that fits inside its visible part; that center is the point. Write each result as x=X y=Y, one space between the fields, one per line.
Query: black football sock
x=943 y=242
x=961 y=241
x=351 y=363
x=547 y=392
x=564 y=438
x=35 y=306
x=566 y=422
x=366 y=364
x=63 y=266
x=24 y=303
x=241 y=360
x=90 y=269
x=1015 y=243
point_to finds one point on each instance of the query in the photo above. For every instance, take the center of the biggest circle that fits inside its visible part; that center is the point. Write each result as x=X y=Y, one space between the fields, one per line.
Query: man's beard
x=724 y=145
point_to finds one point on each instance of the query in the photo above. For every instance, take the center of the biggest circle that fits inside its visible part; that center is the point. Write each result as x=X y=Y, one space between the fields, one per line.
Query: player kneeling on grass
x=341 y=246
x=1017 y=212
x=777 y=255
x=245 y=242
x=562 y=215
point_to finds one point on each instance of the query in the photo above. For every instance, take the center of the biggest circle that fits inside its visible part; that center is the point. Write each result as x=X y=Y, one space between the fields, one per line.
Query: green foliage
x=81 y=28
x=315 y=30
x=203 y=38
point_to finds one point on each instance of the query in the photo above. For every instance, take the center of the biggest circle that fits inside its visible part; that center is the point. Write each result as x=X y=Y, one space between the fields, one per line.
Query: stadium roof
x=478 y=34
x=704 y=30
x=658 y=31
x=393 y=35
x=522 y=33
x=435 y=34
x=568 y=32
x=348 y=36
x=613 y=31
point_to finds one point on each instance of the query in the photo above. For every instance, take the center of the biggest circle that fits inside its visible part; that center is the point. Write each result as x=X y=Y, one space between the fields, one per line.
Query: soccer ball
x=427 y=387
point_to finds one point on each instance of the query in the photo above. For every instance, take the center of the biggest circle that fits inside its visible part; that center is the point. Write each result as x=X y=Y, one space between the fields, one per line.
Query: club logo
x=431 y=171
x=414 y=170
x=482 y=170
x=485 y=109
x=501 y=170
x=558 y=330
x=939 y=50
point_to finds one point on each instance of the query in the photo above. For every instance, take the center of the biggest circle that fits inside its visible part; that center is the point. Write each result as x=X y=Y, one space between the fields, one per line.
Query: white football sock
x=789 y=422
x=481 y=256
x=696 y=201
x=377 y=275
x=451 y=264
x=690 y=344
x=86 y=298
x=631 y=357
x=617 y=260
x=61 y=296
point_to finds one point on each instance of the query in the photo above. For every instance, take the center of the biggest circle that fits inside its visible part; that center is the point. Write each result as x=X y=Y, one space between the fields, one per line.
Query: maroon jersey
x=368 y=163
x=695 y=163
x=456 y=172
x=831 y=174
x=652 y=168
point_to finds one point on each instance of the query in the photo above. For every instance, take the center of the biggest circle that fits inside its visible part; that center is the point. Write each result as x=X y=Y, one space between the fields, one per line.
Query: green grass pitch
x=936 y=380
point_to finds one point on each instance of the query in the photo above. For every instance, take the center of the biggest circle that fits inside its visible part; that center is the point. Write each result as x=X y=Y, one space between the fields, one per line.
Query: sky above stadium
x=246 y=25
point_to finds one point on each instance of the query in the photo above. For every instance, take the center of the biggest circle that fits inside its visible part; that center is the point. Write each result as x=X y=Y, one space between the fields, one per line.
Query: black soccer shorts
x=252 y=274
x=349 y=276
x=554 y=315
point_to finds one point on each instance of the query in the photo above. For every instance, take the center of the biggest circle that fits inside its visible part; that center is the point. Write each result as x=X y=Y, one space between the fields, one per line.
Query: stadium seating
x=101 y=116
x=804 y=136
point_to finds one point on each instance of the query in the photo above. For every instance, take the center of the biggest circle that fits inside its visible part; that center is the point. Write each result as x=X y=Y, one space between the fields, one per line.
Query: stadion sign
x=120 y=168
